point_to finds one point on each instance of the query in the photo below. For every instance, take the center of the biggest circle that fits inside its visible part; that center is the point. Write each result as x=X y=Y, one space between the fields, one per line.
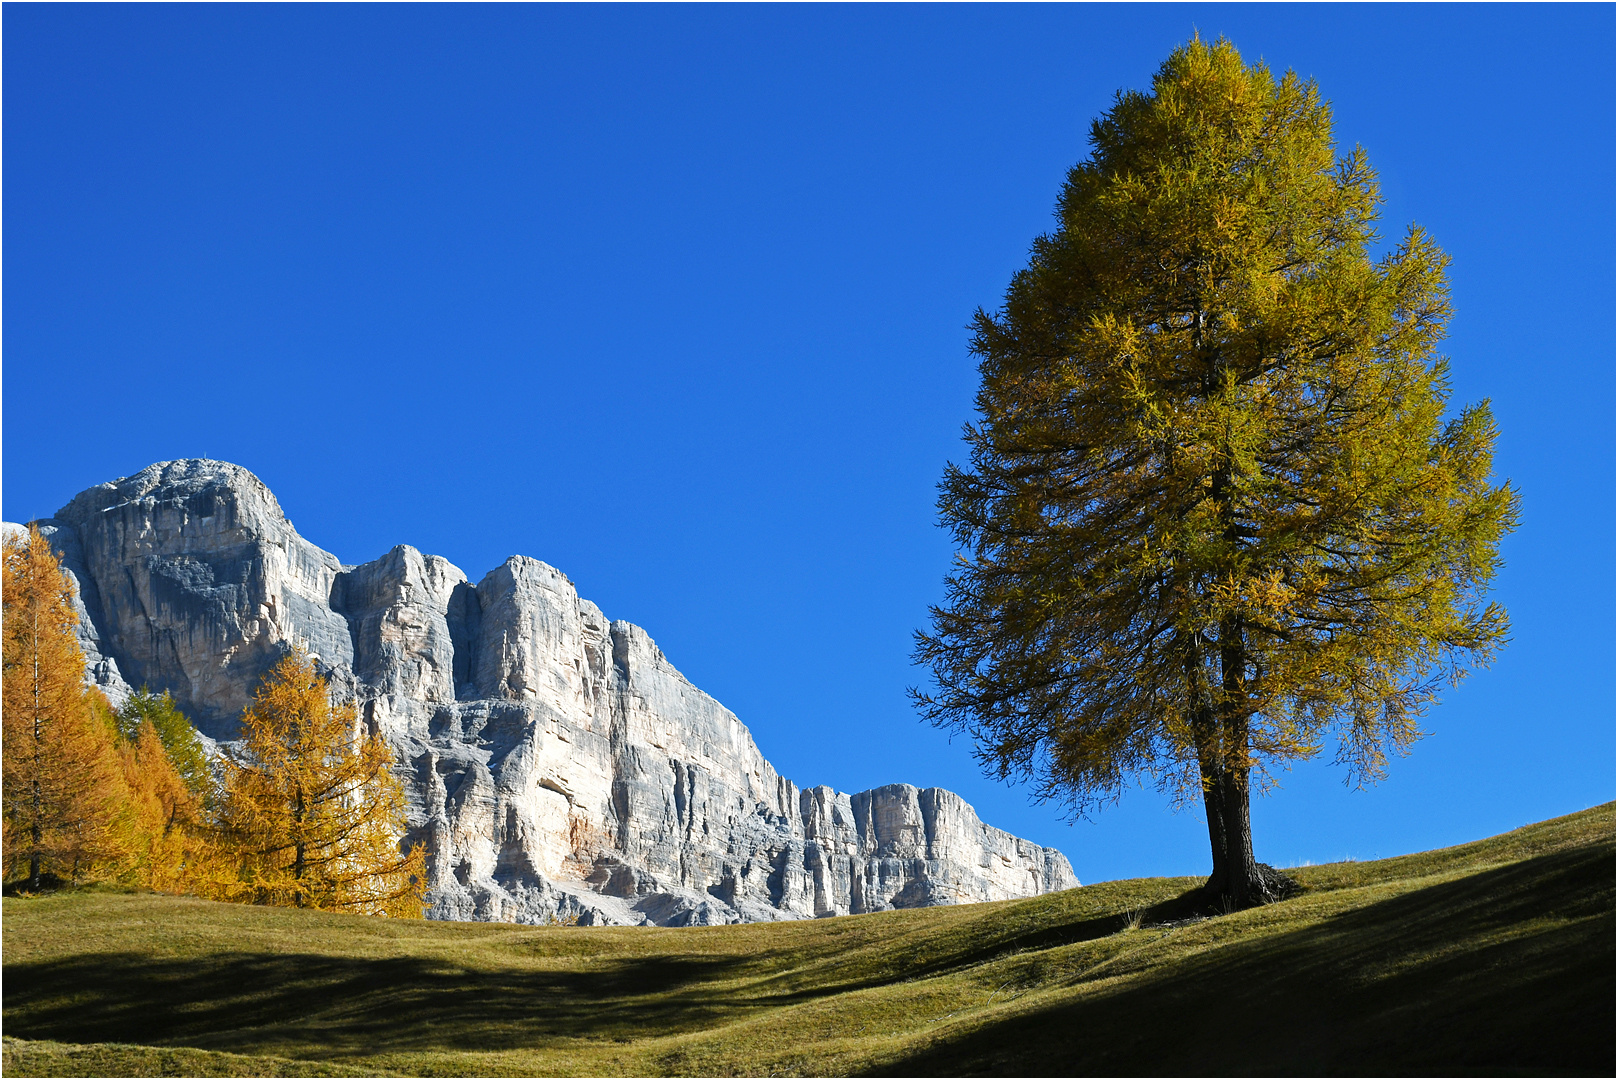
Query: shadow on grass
x=247 y=1001
x=1507 y=971
x=256 y=1002
x=995 y=938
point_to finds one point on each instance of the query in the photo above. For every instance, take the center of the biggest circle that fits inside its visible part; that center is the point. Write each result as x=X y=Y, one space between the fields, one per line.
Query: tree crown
x=311 y=806
x=174 y=731
x=1214 y=473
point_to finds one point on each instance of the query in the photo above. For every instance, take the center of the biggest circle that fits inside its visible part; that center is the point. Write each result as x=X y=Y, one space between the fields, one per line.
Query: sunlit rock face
x=557 y=764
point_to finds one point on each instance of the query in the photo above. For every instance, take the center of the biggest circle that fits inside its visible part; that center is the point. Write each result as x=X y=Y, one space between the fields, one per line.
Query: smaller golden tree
x=176 y=734
x=311 y=810
x=166 y=846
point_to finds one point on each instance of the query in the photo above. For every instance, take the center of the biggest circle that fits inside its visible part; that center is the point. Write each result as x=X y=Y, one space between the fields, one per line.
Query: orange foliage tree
x=62 y=787
x=166 y=845
x=311 y=812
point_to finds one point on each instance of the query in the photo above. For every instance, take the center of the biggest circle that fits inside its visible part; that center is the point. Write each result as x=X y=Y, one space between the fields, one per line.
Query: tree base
x=24 y=886
x=1265 y=885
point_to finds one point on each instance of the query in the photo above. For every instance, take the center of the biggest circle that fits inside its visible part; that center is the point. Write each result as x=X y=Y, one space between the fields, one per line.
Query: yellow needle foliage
x=1218 y=512
x=311 y=813
x=167 y=846
x=62 y=785
x=81 y=803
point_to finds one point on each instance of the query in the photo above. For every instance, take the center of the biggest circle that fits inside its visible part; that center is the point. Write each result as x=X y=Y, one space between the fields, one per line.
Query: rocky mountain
x=556 y=762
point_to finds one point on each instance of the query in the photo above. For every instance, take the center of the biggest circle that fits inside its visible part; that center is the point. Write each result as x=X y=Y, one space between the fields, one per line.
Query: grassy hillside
x=1492 y=957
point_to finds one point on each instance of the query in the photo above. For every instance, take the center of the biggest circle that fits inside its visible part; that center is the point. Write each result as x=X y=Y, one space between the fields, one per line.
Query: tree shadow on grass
x=994 y=937
x=249 y=1002
x=290 y=1003
x=1507 y=971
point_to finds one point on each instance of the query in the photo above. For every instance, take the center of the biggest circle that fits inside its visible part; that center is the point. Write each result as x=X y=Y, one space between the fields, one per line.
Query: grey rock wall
x=556 y=762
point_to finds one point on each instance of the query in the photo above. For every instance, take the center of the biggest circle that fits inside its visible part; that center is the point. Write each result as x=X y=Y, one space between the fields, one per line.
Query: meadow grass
x=1495 y=957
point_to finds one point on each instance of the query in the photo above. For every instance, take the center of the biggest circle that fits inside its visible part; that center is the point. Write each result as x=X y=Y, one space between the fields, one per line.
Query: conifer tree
x=62 y=786
x=310 y=810
x=176 y=733
x=1218 y=516
x=166 y=843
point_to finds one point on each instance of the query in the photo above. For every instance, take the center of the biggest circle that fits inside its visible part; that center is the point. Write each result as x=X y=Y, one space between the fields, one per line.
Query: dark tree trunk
x=1247 y=882
x=297 y=847
x=1239 y=880
x=36 y=837
x=36 y=834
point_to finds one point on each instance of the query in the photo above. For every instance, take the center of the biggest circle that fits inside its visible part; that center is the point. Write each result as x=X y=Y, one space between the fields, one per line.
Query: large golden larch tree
x=1219 y=514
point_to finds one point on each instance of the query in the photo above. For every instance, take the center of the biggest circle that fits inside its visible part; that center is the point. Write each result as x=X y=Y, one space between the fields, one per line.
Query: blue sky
x=674 y=298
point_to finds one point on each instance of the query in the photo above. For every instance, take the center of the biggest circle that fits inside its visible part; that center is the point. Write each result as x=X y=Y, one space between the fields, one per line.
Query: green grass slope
x=1495 y=957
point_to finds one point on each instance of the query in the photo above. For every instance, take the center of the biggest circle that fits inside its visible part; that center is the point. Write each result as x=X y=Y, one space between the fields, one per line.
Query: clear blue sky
x=674 y=298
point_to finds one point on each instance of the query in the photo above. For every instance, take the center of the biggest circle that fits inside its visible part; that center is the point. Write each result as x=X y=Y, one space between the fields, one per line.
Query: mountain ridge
x=557 y=764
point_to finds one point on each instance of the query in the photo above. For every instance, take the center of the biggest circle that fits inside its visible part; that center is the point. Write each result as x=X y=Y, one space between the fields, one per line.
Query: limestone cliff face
x=557 y=763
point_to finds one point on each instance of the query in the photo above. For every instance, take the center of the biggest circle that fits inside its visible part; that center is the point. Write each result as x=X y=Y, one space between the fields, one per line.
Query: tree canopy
x=311 y=811
x=87 y=793
x=1218 y=514
x=61 y=774
x=176 y=733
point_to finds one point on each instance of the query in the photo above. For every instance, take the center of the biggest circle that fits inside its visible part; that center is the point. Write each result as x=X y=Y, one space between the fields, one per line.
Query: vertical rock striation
x=556 y=762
